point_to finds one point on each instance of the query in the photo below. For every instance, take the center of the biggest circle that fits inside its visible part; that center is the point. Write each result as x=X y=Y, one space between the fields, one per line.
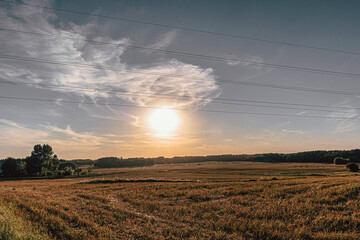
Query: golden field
x=242 y=200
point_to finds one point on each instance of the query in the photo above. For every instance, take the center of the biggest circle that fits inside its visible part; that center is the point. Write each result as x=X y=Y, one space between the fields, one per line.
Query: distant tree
x=108 y=162
x=21 y=164
x=42 y=161
x=68 y=171
x=12 y=167
x=9 y=167
x=268 y=157
x=83 y=162
x=65 y=164
x=78 y=171
x=352 y=167
x=341 y=161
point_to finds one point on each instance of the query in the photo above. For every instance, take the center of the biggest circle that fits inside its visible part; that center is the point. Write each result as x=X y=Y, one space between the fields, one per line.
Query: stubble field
x=187 y=201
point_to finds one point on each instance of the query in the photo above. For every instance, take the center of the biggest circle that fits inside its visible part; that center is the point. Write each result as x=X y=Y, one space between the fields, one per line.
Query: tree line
x=300 y=157
x=42 y=162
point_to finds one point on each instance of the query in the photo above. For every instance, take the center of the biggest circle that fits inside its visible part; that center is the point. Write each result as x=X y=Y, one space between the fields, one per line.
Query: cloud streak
x=164 y=41
x=20 y=135
x=349 y=123
x=62 y=139
x=249 y=61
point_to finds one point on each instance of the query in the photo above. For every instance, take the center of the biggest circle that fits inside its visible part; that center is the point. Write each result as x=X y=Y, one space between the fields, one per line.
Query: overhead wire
x=207 y=57
x=226 y=101
x=199 y=56
x=179 y=109
x=220 y=80
x=185 y=28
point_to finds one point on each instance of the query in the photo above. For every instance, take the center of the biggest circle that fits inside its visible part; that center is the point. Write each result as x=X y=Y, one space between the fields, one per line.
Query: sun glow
x=164 y=122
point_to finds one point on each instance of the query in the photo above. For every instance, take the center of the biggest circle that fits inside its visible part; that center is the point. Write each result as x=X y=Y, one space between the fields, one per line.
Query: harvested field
x=193 y=201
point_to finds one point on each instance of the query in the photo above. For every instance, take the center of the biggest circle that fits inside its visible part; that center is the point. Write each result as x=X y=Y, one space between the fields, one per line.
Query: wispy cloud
x=20 y=135
x=195 y=87
x=350 y=121
x=165 y=40
x=249 y=61
x=69 y=136
x=62 y=139
x=269 y=136
x=292 y=131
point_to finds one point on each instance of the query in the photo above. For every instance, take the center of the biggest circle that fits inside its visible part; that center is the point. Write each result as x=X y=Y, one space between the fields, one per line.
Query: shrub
x=352 y=167
x=68 y=171
x=78 y=171
x=63 y=165
x=350 y=161
x=340 y=160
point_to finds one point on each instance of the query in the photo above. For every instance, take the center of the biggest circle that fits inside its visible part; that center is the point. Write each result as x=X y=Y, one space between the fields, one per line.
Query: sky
x=88 y=85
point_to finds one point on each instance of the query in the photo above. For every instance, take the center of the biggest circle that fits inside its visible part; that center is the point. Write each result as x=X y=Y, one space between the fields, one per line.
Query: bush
x=63 y=165
x=78 y=171
x=351 y=161
x=352 y=167
x=341 y=160
x=68 y=171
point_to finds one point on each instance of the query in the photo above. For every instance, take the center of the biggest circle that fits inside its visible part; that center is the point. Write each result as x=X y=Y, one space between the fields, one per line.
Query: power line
x=292 y=104
x=179 y=109
x=238 y=102
x=200 y=56
x=278 y=107
x=221 y=80
x=187 y=29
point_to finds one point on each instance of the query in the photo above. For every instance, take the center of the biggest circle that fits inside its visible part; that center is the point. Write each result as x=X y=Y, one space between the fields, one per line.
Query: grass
x=192 y=201
x=14 y=228
x=118 y=180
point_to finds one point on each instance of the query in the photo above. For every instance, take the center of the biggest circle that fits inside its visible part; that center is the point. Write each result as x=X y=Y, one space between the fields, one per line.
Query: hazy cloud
x=70 y=136
x=20 y=135
x=292 y=131
x=195 y=86
x=267 y=136
x=60 y=138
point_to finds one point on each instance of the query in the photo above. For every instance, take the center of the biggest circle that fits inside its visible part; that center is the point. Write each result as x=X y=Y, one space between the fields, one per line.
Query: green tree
x=78 y=171
x=13 y=167
x=9 y=167
x=68 y=171
x=63 y=165
x=42 y=161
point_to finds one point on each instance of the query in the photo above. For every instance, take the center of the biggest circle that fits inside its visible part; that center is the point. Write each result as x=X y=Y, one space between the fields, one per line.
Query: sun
x=164 y=122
